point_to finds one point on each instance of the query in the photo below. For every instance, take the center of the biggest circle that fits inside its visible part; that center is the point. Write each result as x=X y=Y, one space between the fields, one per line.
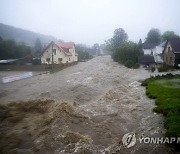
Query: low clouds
x=90 y=21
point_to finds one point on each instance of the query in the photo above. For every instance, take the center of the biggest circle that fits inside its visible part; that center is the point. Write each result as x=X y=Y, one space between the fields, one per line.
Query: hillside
x=19 y=35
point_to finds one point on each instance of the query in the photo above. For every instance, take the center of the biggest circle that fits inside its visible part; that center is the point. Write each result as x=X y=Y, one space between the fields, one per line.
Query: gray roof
x=149 y=45
x=146 y=59
x=175 y=44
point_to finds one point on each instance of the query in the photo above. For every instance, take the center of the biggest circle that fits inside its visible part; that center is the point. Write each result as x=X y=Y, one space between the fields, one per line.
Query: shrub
x=163 y=68
x=127 y=53
x=136 y=66
x=129 y=64
x=36 y=62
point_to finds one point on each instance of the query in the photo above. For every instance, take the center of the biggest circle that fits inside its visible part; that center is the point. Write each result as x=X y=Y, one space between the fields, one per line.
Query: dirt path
x=107 y=93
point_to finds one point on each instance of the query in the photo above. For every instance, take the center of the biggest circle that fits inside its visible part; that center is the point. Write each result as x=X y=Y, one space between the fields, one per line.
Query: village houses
x=59 y=53
x=171 y=53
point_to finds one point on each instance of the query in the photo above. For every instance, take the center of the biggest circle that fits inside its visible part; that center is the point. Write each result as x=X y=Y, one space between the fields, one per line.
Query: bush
x=163 y=68
x=136 y=66
x=36 y=62
x=153 y=69
x=129 y=64
x=127 y=54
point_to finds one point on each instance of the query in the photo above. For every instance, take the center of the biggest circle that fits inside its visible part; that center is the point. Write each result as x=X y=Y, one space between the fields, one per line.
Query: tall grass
x=167 y=95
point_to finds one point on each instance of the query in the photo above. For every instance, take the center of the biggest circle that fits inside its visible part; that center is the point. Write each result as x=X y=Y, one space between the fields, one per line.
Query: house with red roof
x=59 y=53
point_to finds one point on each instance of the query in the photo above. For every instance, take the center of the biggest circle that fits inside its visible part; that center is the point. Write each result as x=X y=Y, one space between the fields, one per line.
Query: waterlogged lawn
x=167 y=94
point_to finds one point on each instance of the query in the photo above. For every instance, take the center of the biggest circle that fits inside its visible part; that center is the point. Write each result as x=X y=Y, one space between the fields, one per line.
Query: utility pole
x=52 y=56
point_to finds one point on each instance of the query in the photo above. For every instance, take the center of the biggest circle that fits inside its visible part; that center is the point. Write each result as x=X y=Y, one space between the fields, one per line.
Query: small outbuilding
x=146 y=60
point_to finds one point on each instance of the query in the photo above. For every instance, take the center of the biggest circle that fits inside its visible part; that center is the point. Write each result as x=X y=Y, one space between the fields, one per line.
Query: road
x=106 y=92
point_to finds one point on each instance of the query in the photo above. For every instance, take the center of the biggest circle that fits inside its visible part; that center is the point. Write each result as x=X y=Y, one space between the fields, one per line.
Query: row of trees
x=10 y=50
x=127 y=52
x=154 y=36
x=122 y=50
x=83 y=52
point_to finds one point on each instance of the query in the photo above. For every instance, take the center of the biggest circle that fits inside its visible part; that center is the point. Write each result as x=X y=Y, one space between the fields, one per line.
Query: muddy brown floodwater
x=104 y=101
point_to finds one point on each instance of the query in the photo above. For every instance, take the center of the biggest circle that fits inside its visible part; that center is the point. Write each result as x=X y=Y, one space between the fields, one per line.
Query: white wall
x=48 y=54
x=147 y=51
x=59 y=54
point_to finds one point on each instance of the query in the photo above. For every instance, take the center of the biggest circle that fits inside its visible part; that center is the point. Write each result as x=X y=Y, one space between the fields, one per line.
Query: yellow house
x=59 y=52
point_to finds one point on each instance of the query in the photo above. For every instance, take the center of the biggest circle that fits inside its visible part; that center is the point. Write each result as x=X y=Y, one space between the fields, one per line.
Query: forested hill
x=19 y=35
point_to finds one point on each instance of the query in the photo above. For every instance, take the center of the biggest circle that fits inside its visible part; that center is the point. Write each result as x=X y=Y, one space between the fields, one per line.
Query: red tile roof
x=65 y=46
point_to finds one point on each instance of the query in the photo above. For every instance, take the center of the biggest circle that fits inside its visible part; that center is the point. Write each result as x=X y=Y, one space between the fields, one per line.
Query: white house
x=157 y=53
x=154 y=50
x=148 y=48
x=59 y=52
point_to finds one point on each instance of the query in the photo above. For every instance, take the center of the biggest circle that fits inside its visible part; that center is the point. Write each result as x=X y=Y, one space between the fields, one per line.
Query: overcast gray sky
x=91 y=21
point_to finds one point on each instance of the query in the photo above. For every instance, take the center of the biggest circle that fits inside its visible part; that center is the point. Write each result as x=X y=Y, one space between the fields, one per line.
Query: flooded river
x=110 y=98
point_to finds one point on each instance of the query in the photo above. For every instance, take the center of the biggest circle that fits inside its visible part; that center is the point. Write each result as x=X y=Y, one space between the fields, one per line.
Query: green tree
x=119 y=37
x=153 y=36
x=127 y=54
x=38 y=46
x=82 y=51
x=169 y=35
x=140 y=43
x=10 y=50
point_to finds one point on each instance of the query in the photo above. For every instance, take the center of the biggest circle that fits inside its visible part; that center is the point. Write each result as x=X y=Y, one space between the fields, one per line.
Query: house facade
x=171 y=53
x=154 y=50
x=59 y=53
x=148 y=48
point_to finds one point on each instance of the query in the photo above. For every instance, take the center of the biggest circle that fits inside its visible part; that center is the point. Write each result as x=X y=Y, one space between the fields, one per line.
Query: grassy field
x=166 y=91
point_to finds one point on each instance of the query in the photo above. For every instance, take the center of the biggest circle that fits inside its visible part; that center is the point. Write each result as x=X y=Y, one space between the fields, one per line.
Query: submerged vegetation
x=122 y=50
x=166 y=91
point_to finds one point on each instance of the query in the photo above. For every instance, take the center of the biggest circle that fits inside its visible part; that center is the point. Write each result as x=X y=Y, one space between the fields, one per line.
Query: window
x=60 y=59
x=170 y=60
x=48 y=60
x=166 y=59
x=54 y=51
x=169 y=49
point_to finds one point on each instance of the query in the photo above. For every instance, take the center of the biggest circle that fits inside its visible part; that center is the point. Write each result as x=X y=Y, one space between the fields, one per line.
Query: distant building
x=171 y=53
x=154 y=50
x=148 y=48
x=59 y=53
x=147 y=60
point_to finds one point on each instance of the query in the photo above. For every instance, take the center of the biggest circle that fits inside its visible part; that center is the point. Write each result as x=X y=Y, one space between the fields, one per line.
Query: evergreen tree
x=37 y=48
